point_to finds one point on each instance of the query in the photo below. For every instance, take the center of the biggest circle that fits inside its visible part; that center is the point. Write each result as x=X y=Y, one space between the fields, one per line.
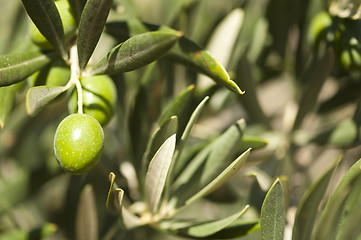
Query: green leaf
x=16 y=67
x=222 y=178
x=238 y=228
x=273 y=213
x=136 y=52
x=46 y=17
x=34 y=234
x=192 y=55
x=39 y=97
x=351 y=217
x=178 y=163
x=160 y=135
x=328 y=224
x=307 y=209
x=207 y=164
x=209 y=228
x=179 y=105
x=157 y=173
x=115 y=196
x=87 y=219
x=91 y=26
x=7 y=97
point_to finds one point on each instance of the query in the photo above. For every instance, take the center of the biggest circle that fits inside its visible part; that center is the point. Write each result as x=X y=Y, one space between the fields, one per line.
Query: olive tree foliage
x=180 y=119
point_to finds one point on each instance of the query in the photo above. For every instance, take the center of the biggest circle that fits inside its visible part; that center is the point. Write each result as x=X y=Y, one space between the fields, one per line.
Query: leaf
x=238 y=228
x=157 y=173
x=192 y=55
x=160 y=135
x=87 y=219
x=307 y=209
x=46 y=17
x=207 y=164
x=222 y=178
x=136 y=52
x=210 y=228
x=327 y=226
x=253 y=142
x=7 y=97
x=16 y=67
x=273 y=213
x=91 y=25
x=39 y=97
x=351 y=217
x=178 y=163
x=179 y=105
x=115 y=196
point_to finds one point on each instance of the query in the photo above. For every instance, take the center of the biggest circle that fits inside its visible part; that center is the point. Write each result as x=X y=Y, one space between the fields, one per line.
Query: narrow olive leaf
x=39 y=97
x=222 y=178
x=184 y=138
x=263 y=179
x=210 y=228
x=207 y=164
x=7 y=97
x=178 y=105
x=192 y=55
x=157 y=173
x=87 y=219
x=37 y=233
x=16 y=67
x=273 y=213
x=327 y=226
x=253 y=142
x=136 y=52
x=238 y=228
x=351 y=217
x=91 y=26
x=307 y=209
x=160 y=135
x=46 y=17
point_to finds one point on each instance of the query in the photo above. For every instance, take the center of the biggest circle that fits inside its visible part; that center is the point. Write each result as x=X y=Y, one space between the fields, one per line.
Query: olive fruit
x=56 y=74
x=69 y=25
x=99 y=98
x=78 y=143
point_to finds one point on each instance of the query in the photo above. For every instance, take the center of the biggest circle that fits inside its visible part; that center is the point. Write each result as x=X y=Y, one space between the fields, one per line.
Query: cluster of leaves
x=178 y=142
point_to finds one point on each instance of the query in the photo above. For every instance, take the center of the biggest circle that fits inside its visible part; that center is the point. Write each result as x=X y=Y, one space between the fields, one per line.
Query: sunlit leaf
x=307 y=209
x=136 y=52
x=46 y=17
x=207 y=164
x=160 y=135
x=157 y=173
x=91 y=25
x=16 y=67
x=39 y=97
x=273 y=213
x=222 y=178
x=87 y=217
x=210 y=228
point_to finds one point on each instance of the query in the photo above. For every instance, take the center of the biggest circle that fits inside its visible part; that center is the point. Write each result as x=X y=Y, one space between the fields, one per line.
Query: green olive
x=99 y=98
x=78 y=143
x=56 y=74
x=69 y=25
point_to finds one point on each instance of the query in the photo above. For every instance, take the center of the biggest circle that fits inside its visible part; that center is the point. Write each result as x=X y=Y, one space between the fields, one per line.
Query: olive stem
x=75 y=75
